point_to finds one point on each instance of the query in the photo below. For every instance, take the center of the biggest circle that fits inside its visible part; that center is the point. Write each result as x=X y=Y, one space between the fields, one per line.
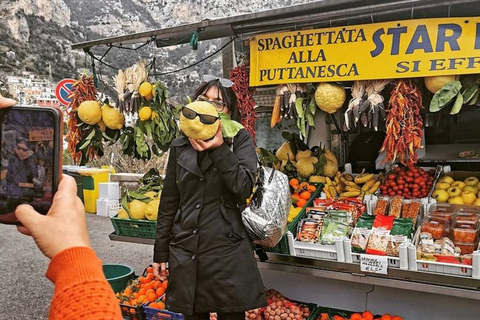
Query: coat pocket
x=229 y=230
x=177 y=226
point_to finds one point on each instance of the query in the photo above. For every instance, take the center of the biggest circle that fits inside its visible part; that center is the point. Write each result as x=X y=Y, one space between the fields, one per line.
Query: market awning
x=286 y=18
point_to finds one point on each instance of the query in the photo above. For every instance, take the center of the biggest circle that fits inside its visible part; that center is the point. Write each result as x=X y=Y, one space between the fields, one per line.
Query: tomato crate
x=134 y=228
x=132 y=313
x=282 y=247
x=157 y=314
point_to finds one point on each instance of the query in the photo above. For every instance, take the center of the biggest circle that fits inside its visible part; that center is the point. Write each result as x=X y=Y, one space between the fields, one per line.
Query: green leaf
x=474 y=99
x=457 y=105
x=124 y=203
x=230 y=127
x=469 y=93
x=443 y=97
x=85 y=144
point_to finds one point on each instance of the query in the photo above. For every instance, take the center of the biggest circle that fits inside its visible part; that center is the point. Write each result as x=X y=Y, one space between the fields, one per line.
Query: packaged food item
x=464 y=231
x=467 y=215
x=381 y=207
x=437 y=228
x=334 y=230
x=411 y=210
x=361 y=233
x=308 y=230
x=427 y=246
x=401 y=233
x=382 y=221
x=395 y=206
x=448 y=247
x=465 y=247
x=378 y=241
x=441 y=208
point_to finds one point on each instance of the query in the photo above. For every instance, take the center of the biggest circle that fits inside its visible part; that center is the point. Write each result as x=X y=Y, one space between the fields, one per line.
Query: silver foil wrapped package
x=265 y=219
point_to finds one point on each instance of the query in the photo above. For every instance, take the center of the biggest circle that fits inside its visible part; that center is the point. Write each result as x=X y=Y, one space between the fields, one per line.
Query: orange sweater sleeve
x=81 y=290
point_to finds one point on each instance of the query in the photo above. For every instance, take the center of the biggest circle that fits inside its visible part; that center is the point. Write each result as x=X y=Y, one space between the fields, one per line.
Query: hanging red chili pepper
x=246 y=103
x=404 y=124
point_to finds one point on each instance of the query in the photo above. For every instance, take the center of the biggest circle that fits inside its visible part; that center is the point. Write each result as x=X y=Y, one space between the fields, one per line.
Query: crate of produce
x=133 y=313
x=134 y=228
x=158 y=314
x=283 y=247
x=316 y=251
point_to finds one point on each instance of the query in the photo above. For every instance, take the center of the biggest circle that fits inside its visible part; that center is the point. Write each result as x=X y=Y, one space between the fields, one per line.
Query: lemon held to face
x=195 y=128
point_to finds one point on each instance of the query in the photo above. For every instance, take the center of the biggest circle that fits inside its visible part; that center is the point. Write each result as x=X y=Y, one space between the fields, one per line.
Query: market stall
x=381 y=148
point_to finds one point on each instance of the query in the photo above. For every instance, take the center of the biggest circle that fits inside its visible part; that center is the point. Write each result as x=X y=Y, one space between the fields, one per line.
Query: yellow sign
x=399 y=49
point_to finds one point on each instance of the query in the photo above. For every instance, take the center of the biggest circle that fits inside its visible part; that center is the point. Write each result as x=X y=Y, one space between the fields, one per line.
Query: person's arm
x=166 y=211
x=237 y=168
x=78 y=276
x=63 y=237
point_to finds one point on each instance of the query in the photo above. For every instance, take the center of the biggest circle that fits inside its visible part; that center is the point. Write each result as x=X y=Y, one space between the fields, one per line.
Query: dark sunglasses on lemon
x=204 y=118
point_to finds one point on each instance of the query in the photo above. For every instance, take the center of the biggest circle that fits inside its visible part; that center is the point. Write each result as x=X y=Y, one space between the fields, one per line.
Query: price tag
x=374 y=264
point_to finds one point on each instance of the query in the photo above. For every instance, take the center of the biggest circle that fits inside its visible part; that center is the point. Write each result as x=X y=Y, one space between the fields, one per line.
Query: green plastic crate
x=134 y=228
x=332 y=312
x=282 y=246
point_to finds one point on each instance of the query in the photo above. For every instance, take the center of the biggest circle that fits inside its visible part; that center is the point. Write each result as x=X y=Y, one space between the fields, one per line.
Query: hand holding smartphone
x=30 y=158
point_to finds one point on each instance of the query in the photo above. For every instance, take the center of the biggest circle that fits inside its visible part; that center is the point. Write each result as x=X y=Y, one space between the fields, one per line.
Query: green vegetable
x=443 y=97
x=457 y=105
x=230 y=127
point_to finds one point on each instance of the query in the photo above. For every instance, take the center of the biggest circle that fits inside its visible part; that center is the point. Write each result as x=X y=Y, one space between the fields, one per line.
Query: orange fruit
x=132 y=310
x=151 y=297
x=160 y=291
x=153 y=305
x=301 y=203
x=386 y=317
x=149 y=270
x=305 y=195
x=165 y=284
x=150 y=276
x=356 y=316
x=150 y=291
x=337 y=317
x=294 y=182
x=367 y=315
x=311 y=189
x=142 y=291
x=161 y=305
x=397 y=318
x=143 y=279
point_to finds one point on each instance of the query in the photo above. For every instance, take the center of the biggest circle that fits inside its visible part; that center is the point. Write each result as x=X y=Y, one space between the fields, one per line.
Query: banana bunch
x=347 y=186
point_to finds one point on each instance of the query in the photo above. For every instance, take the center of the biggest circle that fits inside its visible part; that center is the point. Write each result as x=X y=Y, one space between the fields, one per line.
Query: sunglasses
x=226 y=83
x=204 y=118
x=220 y=105
x=22 y=149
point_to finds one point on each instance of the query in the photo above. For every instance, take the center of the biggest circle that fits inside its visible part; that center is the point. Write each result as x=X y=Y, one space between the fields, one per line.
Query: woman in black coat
x=199 y=229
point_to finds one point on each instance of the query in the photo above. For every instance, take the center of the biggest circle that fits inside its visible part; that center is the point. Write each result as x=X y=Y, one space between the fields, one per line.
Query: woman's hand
x=160 y=270
x=215 y=142
x=5 y=102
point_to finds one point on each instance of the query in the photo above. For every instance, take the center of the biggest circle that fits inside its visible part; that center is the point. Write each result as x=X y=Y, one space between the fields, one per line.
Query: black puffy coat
x=200 y=231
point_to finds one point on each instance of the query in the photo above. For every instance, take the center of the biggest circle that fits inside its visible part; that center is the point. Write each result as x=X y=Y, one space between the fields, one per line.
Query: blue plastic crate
x=156 y=314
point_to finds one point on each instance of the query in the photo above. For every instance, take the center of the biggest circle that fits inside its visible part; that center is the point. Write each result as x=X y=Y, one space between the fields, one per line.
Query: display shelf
x=397 y=278
x=116 y=237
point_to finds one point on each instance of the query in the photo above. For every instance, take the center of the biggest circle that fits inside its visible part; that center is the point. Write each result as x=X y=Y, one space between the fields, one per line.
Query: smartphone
x=31 y=158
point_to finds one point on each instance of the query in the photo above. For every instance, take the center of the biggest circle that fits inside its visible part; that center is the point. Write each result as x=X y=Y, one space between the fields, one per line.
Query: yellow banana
x=328 y=181
x=374 y=187
x=348 y=177
x=348 y=183
x=348 y=188
x=350 y=194
x=339 y=188
x=332 y=191
x=336 y=179
x=327 y=193
x=368 y=184
x=362 y=178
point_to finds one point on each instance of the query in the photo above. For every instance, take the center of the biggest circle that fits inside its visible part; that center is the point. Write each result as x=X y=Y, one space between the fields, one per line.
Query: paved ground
x=26 y=293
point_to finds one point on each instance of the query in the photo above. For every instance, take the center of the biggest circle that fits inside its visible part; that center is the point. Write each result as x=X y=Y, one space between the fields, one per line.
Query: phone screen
x=29 y=170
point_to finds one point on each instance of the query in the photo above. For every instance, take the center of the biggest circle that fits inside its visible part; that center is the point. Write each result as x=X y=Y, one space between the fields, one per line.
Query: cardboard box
x=109 y=190
x=104 y=205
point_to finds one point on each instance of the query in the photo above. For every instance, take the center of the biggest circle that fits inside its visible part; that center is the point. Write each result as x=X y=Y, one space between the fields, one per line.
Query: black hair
x=228 y=96
x=21 y=140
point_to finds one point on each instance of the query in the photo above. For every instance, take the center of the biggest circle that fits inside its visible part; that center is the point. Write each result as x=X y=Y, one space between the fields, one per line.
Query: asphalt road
x=26 y=293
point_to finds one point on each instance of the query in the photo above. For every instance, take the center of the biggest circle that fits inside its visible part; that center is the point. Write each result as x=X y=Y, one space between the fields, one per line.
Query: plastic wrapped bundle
x=265 y=219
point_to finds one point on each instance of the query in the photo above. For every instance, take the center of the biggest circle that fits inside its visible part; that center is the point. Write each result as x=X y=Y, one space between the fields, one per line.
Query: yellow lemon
x=151 y=212
x=330 y=97
x=145 y=113
x=122 y=214
x=151 y=194
x=436 y=83
x=101 y=125
x=145 y=89
x=89 y=112
x=112 y=117
x=194 y=128
x=137 y=209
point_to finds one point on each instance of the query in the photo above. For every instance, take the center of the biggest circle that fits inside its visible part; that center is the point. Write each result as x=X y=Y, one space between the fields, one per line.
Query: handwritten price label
x=374 y=264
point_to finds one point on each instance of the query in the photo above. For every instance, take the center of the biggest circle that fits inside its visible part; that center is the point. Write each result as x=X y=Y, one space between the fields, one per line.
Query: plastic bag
x=265 y=219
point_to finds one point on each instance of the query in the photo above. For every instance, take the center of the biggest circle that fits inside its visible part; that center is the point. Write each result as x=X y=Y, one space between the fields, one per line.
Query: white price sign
x=374 y=264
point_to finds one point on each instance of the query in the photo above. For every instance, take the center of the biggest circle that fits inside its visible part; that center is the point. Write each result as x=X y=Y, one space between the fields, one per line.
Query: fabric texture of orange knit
x=78 y=277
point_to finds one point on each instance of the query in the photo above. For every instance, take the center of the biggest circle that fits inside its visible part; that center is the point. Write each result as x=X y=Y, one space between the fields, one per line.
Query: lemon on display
x=101 y=125
x=112 y=117
x=137 y=209
x=145 y=113
x=151 y=194
x=145 y=89
x=330 y=97
x=436 y=83
x=122 y=214
x=194 y=128
x=89 y=112
x=151 y=212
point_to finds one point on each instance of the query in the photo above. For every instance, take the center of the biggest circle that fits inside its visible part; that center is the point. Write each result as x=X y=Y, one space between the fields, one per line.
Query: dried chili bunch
x=82 y=90
x=246 y=103
x=404 y=124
